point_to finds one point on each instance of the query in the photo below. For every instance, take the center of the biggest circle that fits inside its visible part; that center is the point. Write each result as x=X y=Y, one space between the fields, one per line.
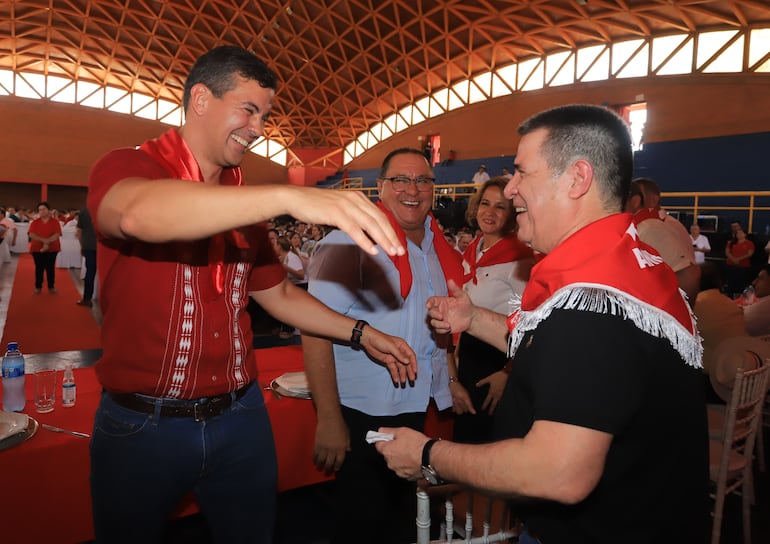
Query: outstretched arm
x=169 y=209
x=553 y=461
x=456 y=313
x=295 y=306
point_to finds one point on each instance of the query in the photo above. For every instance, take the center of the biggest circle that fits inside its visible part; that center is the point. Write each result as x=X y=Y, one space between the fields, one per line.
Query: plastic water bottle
x=68 y=393
x=13 y=379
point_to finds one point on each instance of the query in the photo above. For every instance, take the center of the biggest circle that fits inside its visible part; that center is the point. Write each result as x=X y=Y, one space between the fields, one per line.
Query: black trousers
x=88 y=281
x=373 y=505
x=45 y=262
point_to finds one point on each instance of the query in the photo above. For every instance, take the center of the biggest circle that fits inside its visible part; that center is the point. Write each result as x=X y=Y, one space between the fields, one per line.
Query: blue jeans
x=142 y=465
x=526 y=538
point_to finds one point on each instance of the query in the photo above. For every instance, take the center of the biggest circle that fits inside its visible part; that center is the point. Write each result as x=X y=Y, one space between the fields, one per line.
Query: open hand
x=496 y=382
x=461 y=400
x=350 y=211
x=392 y=352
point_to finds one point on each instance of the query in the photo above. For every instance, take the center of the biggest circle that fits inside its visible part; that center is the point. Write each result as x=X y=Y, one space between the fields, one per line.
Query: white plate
x=292 y=384
x=12 y=423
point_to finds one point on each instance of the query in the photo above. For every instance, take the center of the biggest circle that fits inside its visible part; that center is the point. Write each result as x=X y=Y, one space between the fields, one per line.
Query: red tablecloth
x=46 y=478
x=44 y=481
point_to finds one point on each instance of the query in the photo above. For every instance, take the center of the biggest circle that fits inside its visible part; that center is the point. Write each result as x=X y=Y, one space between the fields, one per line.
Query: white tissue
x=374 y=436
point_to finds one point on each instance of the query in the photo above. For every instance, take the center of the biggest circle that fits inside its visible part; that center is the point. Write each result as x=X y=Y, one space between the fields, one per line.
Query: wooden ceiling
x=344 y=65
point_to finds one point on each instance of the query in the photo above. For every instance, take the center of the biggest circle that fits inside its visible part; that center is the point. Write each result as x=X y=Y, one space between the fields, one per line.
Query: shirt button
x=216 y=335
x=214 y=378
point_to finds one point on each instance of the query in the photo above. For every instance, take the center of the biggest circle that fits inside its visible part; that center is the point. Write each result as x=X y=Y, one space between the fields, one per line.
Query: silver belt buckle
x=198 y=412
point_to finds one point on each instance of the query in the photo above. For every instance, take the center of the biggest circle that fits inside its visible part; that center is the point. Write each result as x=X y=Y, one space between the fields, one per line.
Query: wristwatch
x=428 y=472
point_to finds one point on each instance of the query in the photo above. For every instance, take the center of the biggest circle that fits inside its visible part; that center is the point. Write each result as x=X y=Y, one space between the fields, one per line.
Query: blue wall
x=726 y=163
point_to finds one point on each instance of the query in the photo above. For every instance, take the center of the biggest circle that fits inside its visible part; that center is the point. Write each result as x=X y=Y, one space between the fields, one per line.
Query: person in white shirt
x=481 y=176
x=767 y=250
x=464 y=239
x=8 y=234
x=700 y=244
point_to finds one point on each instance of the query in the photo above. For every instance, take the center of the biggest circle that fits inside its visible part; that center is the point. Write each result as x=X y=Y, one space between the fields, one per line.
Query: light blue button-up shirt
x=367 y=287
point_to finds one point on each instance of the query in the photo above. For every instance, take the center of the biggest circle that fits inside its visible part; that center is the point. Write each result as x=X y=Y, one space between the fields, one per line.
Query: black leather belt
x=198 y=409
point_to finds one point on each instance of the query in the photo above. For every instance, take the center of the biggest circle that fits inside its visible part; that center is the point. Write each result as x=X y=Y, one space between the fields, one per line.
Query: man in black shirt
x=603 y=416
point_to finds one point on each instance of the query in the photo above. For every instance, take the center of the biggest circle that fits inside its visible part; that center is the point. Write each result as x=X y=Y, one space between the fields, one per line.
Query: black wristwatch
x=355 y=337
x=428 y=472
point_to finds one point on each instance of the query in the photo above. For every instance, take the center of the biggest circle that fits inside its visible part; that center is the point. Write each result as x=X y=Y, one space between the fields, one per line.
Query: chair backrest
x=741 y=422
x=469 y=516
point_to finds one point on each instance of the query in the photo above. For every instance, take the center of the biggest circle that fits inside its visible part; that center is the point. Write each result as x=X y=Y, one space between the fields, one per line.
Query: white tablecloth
x=69 y=256
x=22 y=238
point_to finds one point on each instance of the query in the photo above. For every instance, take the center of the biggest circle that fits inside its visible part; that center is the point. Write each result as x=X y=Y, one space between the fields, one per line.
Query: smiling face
x=410 y=207
x=231 y=124
x=494 y=210
x=537 y=196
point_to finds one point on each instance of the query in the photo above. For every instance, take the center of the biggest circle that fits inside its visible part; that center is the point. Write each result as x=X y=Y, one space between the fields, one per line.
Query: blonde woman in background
x=496 y=264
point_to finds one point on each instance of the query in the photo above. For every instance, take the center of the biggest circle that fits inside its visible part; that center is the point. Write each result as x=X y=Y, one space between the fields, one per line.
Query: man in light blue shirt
x=351 y=394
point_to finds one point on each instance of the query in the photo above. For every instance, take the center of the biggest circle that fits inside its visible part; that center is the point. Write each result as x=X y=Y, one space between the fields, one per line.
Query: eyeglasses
x=401 y=183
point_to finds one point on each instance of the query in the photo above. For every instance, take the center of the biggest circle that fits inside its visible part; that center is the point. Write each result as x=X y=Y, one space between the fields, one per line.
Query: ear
x=379 y=187
x=582 y=178
x=199 y=98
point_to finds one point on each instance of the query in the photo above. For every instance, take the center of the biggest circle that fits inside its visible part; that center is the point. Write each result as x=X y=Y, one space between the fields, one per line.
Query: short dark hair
x=215 y=69
x=634 y=189
x=43 y=203
x=473 y=206
x=399 y=151
x=593 y=133
x=648 y=186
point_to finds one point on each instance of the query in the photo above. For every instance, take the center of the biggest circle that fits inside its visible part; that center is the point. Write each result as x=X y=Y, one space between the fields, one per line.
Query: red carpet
x=44 y=323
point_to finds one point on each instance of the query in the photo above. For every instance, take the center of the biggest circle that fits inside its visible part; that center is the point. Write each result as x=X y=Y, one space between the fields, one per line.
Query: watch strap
x=426 y=451
x=355 y=336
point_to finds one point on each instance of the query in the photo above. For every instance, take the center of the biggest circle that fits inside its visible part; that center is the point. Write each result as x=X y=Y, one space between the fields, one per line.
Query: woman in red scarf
x=496 y=264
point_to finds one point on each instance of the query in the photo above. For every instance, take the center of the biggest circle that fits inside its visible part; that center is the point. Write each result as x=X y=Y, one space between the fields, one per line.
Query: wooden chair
x=765 y=421
x=470 y=516
x=730 y=459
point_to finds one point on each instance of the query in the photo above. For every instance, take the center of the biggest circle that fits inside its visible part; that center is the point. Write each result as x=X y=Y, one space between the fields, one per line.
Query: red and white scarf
x=449 y=258
x=171 y=151
x=506 y=250
x=605 y=268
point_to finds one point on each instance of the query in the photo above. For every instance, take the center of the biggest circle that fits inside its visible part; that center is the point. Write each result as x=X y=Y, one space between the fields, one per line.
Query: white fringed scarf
x=604 y=268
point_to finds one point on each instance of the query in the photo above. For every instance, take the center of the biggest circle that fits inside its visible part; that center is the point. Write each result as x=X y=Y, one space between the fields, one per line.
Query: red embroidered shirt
x=167 y=332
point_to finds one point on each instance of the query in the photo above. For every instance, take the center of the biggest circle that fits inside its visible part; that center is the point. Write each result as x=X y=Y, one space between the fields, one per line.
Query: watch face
x=429 y=474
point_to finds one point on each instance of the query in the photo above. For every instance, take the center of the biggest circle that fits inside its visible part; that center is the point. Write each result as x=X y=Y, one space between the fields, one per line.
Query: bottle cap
x=13 y=346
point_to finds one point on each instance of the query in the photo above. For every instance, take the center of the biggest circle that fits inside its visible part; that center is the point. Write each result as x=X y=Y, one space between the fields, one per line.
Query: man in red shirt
x=180 y=411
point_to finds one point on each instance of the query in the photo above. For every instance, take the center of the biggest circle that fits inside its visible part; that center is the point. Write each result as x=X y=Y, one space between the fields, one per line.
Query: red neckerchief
x=604 y=261
x=506 y=250
x=171 y=151
x=646 y=213
x=449 y=258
